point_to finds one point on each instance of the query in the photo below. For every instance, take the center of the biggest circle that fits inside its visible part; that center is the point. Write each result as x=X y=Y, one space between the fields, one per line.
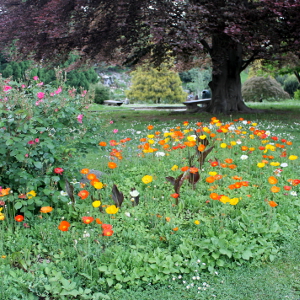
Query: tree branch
x=206 y=46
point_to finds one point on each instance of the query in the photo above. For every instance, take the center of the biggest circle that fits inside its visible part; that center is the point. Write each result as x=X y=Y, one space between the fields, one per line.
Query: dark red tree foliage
x=232 y=32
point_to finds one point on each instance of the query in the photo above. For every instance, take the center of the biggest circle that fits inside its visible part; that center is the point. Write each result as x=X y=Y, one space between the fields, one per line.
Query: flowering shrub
x=41 y=127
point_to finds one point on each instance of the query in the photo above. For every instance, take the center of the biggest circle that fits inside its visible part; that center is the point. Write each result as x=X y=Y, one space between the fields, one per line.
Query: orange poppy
x=91 y=176
x=210 y=179
x=214 y=196
x=85 y=171
x=64 y=226
x=112 y=165
x=150 y=127
x=98 y=221
x=212 y=135
x=168 y=219
x=175 y=229
x=103 y=144
x=244 y=148
x=289 y=143
x=190 y=143
x=228 y=160
x=275 y=189
x=272 y=180
x=201 y=147
x=83 y=194
x=46 y=209
x=273 y=203
x=183 y=169
x=232 y=167
x=193 y=170
x=143 y=140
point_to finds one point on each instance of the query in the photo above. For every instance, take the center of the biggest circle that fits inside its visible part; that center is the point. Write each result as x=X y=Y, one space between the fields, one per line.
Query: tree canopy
x=232 y=32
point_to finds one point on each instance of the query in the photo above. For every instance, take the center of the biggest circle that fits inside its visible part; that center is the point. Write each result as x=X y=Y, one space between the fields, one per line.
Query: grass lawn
x=182 y=245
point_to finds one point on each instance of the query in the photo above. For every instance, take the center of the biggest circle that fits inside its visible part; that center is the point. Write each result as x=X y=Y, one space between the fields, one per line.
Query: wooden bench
x=192 y=105
x=113 y=102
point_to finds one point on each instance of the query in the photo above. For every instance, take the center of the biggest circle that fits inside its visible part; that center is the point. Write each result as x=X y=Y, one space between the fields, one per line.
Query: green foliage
x=26 y=70
x=156 y=85
x=196 y=80
x=263 y=88
x=41 y=131
x=101 y=93
x=297 y=95
x=291 y=84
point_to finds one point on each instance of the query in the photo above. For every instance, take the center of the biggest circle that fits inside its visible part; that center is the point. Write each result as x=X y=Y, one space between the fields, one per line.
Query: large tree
x=232 y=32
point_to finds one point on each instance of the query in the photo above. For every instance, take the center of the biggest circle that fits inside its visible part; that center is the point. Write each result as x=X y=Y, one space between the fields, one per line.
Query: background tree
x=156 y=85
x=232 y=32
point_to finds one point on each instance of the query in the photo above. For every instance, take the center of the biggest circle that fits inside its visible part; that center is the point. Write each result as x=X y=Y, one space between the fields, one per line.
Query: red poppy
x=19 y=218
x=58 y=171
x=87 y=220
x=193 y=170
x=287 y=187
x=106 y=227
x=83 y=194
x=214 y=163
x=175 y=195
x=107 y=232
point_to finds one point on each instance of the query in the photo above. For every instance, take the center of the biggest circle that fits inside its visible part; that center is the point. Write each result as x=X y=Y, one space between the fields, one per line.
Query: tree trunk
x=226 y=86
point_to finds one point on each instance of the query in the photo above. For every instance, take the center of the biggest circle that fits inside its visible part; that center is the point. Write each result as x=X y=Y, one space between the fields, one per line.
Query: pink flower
x=6 y=88
x=37 y=103
x=23 y=86
x=83 y=93
x=41 y=83
x=79 y=118
x=52 y=94
x=26 y=155
x=115 y=130
x=31 y=142
x=37 y=140
x=41 y=95
x=59 y=90
x=111 y=122
x=35 y=78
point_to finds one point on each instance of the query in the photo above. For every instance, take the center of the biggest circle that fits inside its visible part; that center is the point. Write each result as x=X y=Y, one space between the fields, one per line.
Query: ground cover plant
x=172 y=203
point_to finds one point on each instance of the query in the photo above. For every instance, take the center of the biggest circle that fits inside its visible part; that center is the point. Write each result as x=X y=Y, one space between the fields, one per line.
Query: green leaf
x=18 y=205
x=38 y=164
x=109 y=281
x=247 y=254
x=226 y=252
x=102 y=269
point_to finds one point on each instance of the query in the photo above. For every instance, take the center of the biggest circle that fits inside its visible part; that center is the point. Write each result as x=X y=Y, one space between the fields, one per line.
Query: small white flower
x=86 y=234
x=127 y=214
x=63 y=193
x=238 y=142
x=174 y=278
x=244 y=157
x=198 y=261
x=204 y=264
x=157 y=154
x=283 y=165
x=267 y=133
x=187 y=286
x=179 y=277
x=134 y=193
x=198 y=277
x=244 y=122
x=293 y=193
x=138 y=132
x=194 y=277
